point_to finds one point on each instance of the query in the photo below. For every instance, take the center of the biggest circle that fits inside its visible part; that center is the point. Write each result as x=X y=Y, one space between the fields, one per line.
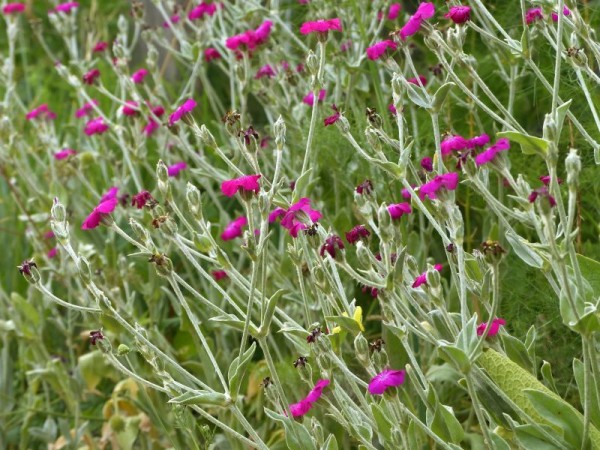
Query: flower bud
x=386 y=228
x=162 y=264
x=123 y=350
x=312 y=63
x=202 y=243
x=380 y=360
x=363 y=255
x=194 y=200
x=280 y=131
x=162 y=174
x=206 y=136
x=122 y=24
x=85 y=272
x=573 y=167
x=361 y=347
x=317 y=431
x=550 y=131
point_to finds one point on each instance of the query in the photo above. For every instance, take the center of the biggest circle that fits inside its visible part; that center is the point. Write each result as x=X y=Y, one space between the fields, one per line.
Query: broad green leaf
x=595 y=410
x=517 y=351
x=384 y=426
x=234 y=323
x=440 y=96
x=330 y=443
x=530 y=145
x=519 y=245
x=590 y=270
x=271 y=306
x=237 y=370
x=200 y=397
x=297 y=436
x=546 y=371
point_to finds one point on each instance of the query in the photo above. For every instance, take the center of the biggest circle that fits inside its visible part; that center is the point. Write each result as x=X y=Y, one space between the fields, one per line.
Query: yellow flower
x=357 y=317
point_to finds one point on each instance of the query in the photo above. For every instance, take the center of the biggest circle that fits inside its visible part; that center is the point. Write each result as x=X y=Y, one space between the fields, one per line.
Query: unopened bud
x=162 y=175
x=202 y=243
x=85 y=272
x=123 y=350
x=549 y=130
x=280 y=131
x=194 y=200
x=573 y=166
x=122 y=24
x=206 y=136
x=312 y=63
x=361 y=347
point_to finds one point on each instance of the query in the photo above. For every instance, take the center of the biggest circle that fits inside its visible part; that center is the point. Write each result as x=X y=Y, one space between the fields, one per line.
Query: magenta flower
x=392 y=109
x=103 y=209
x=265 y=71
x=95 y=126
x=130 y=108
x=52 y=252
x=151 y=127
x=542 y=193
x=490 y=153
x=422 y=279
x=405 y=193
x=305 y=405
x=299 y=216
x=424 y=11
x=110 y=194
x=453 y=143
x=218 y=275
x=246 y=183
x=356 y=234
x=459 y=14
x=493 y=328
x=394 y=11
x=321 y=26
x=211 y=53
x=250 y=39
x=100 y=47
x=386 y=379
x=86 y=109
x=42 y=112
x=139 y=75
x=533 y=14
x=186 y=108
x=566 y=12
x=448 y=181
x=277 y=212
x=234 y=229
x=174 y=169
x=333 y=118
x=364 y=188
x=309 y=99
x=65 y=153
x=203 y=8
x=478 y=141
x=332 y=244
x=546 y=180
x=91 y=76
x=427 y=164
x=398 y=210
x=262 y=33
x=65 y=7
x=420 y=81
x=13 y=8
x=174 y=19
x=377 y=50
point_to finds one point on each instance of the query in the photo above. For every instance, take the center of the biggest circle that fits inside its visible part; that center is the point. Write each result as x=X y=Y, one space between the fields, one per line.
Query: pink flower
x=566 y=12
x=100 y=47
x=344 y=47
x=262 y=33
x=448 y=181
x=130 y=108
x=110 y=194
x=173 y=19
x=422 y=279
x=95 y=126
x=493 y=328
x=357 y=233
x=377 y=50
x=546 y=180
x=91 y=76
x=234 y=229
x=386 y=379
x=103 y=209
x=219 y=274
x=42 y=112
x=305 y=405
x=398 y=210
x=309 y=99
x=298 y=215
x=251 y=38
x=265 y=71
x=392 y=109
x=174 y=169
x=394 y=11
x=277 y=212
x=421 y=81
x=86 y=109
x=203 y=8
x=321 y=26
x=453 y=143
x=65 y=7
x=13 y=8
x=490 y=153
x=210 y=54
x=333 y=118
x=424 y=11
x=186 y=108
x=405 y=194
x=478 y=141
x=52 y=252
x=427 y=164
x=65 y=153
x=246 y=183
x=459 y=14
x=542 y=193
x=141 y=199
x=151 y=127
x=332 y=244
x=138 y=76
x=533 y=14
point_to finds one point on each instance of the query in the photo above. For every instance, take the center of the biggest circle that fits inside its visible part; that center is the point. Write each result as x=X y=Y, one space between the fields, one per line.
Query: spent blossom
x=386 y=379
x=357 y=233
x=332 y=244
x=459 y=14
x=142 y=198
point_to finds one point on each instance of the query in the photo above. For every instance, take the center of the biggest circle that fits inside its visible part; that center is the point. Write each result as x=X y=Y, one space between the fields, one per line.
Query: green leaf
x=547 y=375
x=301 y=185
x=271 y=306
x=384 y=426
x=456 y=357
x=92 y=367
x=524 y=251
x=232 y=322
x=530 y=145
x=237 y=370
x=330 y=443
x=203 y=398
x=440 y=96
x=590 y=270
x=561 y=113
x=416 y=97
x=595 y=410
x=346 y=323
x=297 y=436
x=517 y=351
